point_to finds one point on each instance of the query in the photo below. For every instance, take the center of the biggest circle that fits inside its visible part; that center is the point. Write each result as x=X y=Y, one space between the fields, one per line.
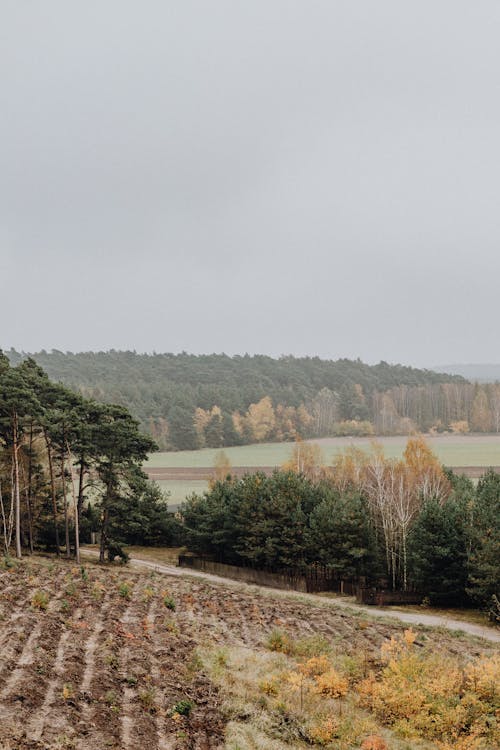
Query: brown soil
x=106 y=663
x=97 y=669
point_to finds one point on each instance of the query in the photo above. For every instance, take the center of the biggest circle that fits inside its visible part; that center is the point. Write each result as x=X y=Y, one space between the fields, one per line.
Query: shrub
x=169 y=603
x=67 y=691
x=374 y=742
x=116 y=550
x=332 y=684
x=125 y=590
x=40 y=600
x=424 y=695
x=279 y=641
x=147 y=699
x=323 y=732
x=183 y=708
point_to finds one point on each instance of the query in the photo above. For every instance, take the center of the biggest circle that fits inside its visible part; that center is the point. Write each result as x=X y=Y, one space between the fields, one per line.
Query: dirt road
x=479 y=631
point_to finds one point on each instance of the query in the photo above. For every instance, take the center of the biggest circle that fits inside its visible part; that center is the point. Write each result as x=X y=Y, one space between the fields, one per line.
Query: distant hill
x=187 y=401
x=481 y=373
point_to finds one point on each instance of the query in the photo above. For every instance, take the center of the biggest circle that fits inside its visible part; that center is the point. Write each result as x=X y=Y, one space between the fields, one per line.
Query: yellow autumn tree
x=306 y=459
x=222 y=468
x=238 y=422
x=348 y=468
x=425 y=471
x=286 y=422
x=201 y=419
x=261 y=419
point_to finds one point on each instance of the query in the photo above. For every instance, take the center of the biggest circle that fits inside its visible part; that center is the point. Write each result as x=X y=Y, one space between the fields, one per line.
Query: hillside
x=189 y=401
x=97 y=657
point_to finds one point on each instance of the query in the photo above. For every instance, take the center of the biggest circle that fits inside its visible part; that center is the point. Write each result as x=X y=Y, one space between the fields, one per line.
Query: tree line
x=408 y=523
x=186 y=402
x=70 y=465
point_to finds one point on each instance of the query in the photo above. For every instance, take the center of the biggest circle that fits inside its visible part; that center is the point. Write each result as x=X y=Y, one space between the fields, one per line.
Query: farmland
x=456 y=451
x=466 y=450
x=114 y=658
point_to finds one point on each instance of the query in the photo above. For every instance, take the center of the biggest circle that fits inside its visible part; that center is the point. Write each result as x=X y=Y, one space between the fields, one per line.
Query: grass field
x=452 y=450
x=467 y=450
x=179 y=489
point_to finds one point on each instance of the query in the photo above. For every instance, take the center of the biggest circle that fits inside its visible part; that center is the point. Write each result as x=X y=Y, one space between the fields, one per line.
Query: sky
x=313 y=177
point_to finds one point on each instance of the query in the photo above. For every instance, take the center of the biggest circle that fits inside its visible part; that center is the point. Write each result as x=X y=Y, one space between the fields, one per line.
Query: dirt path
x=479 y=631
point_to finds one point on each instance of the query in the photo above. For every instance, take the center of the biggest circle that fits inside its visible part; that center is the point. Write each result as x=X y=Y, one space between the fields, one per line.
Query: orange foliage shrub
x=332 y=683
x=423 y=695
x=325 y=731
x=374 y=742
x=315 y=666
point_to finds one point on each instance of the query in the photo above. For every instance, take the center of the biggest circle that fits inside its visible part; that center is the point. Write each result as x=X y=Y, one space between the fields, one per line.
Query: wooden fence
x=384 y=597
x=314 y=579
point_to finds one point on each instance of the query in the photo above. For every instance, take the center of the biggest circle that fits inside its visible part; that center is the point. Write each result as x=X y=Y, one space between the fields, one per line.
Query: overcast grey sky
x=275 y=176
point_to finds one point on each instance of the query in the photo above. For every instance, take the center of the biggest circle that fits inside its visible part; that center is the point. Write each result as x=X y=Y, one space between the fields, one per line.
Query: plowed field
x=99 y=658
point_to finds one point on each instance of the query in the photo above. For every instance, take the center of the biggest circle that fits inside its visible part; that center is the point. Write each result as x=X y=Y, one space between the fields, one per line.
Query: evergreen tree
x=484 y=575
x=210 y=524
x=438 y=552
x=121 y=449
x=214 y=436
x=340 y=535
x=182 y=432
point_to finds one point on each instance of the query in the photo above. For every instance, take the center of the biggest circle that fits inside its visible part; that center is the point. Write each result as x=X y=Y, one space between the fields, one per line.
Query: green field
x=467 y=450
x=179 y=489
x=452 y=450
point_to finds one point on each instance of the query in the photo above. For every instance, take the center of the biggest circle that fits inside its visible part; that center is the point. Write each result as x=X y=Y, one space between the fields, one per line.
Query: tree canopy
x=185 y=401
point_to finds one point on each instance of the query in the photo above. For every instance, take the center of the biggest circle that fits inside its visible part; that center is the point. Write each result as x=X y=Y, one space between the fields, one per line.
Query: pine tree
x=438 y=552
x=484 y=575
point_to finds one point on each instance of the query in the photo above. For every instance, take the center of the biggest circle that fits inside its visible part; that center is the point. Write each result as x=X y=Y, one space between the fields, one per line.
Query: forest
x=405 y=524
x=70 y=465
x=186 y=402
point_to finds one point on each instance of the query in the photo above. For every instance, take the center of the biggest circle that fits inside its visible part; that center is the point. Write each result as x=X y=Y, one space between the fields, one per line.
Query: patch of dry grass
x=277 y=697
x=473 y=616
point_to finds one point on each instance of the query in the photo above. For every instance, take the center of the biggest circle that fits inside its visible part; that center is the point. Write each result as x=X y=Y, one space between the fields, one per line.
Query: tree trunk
x=104 y=526
x=28 y=507
x=53 y=490
x=17 y=496
x=405 y=562
x=65 y=501
x=7 y=523
x=29 y=493
x=75 y=506
x=105 y=520
x=80 y=486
